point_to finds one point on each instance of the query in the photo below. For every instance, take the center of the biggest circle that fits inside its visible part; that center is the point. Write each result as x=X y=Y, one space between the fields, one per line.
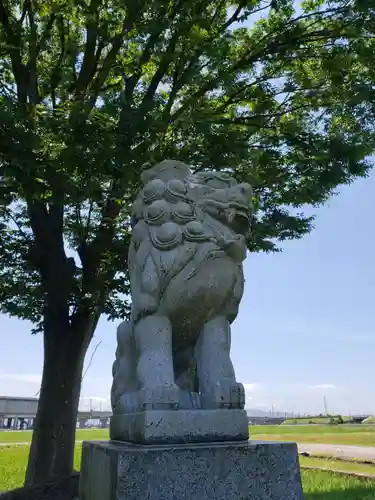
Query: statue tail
x=123 y=365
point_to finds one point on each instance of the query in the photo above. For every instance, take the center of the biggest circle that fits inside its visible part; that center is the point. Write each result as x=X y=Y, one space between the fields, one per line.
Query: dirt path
x=337 y=450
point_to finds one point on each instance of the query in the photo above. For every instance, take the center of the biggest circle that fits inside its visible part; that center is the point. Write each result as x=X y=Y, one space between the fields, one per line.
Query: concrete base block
x=182 y=426
x=216 y=471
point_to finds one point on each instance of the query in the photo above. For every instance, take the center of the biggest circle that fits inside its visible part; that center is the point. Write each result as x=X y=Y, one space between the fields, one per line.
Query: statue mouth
x=238 y=217
x=239 y=209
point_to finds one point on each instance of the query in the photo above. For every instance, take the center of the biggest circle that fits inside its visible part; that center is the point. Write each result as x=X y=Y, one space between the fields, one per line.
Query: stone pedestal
x=182 y=426
x=218 y=471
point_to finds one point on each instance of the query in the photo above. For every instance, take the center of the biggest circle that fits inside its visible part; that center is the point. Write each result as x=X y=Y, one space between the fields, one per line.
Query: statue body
x=185 y=263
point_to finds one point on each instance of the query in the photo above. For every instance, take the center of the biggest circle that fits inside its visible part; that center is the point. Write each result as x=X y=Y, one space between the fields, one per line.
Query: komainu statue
x=185 y=262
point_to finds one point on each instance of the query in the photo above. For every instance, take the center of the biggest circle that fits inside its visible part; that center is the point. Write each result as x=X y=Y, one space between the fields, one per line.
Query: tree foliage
x=92 y=91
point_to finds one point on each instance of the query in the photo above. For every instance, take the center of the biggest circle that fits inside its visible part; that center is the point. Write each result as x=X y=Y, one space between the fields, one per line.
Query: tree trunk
x=52 y=447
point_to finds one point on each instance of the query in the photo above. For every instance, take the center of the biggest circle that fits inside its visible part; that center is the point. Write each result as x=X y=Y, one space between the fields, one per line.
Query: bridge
x=358 y=419
x=265 y=420
x=19 y=413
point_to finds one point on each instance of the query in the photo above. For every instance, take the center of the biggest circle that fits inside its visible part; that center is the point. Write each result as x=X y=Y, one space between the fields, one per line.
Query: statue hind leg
x=217 y=381
x=153 y=338
x=125 y=383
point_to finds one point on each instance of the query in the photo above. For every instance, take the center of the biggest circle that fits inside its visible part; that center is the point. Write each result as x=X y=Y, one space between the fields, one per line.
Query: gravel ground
x=341 y=451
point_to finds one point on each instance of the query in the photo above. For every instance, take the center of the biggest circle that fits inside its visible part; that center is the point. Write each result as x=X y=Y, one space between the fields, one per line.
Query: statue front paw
x=159 y=398
x=144 y=306
x=224 y=396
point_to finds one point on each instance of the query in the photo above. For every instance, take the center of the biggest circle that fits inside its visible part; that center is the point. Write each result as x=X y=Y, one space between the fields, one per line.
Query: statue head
x=178 y=205
x=219 y=195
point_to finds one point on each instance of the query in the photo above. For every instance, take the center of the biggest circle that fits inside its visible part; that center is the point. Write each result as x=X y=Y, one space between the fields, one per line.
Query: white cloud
x=31 y=378
x=94 y=398
x=106 y=380
x=250 y=389
x=323 y=386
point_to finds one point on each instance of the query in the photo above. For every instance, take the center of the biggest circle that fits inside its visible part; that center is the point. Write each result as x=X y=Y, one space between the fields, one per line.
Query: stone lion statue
x=185 y=262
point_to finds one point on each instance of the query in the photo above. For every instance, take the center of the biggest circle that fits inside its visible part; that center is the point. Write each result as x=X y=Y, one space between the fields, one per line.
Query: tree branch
x=14 y=220
x=89 y=60
x=56 y=73
x=31 y=65
x=135 y=11
x=90 y=362
x=23 y=14
x=46 y=33
x=50 y=259
x=160 y=72
x=13 y=42
x=266 y=119
x=92 y=254
x=248 y=58
x=144 y=59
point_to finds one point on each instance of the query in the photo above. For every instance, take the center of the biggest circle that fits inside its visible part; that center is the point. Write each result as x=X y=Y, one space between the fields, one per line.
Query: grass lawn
x=359 y=435
x=328 y=434
x=13 y=461
x=339 y=465
x=25 y=436
x=312 y=420
x=317 y=485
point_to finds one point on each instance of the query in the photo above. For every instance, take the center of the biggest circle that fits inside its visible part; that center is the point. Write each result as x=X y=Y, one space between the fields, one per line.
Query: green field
x=313 y=420
x=13 y=461
x=350 y=466
x=25 y=436
x=318 y=485
x=357 y=435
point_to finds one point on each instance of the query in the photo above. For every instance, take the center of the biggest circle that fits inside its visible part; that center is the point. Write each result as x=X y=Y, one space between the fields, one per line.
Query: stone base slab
x=216 y=471
x=182 y=426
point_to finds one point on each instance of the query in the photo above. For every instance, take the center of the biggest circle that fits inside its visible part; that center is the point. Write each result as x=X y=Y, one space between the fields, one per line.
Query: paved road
x=337 y=450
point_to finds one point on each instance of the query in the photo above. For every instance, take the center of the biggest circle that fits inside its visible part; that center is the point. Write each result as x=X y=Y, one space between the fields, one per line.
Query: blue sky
x=306 y=327
x=305 y=330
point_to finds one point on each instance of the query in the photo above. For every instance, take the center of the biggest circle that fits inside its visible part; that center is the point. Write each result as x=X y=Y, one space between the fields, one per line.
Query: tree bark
x=52 y=447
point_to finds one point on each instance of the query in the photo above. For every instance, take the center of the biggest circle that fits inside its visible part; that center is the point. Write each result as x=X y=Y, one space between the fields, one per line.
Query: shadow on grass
x=358 y=493
x=62 y=489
